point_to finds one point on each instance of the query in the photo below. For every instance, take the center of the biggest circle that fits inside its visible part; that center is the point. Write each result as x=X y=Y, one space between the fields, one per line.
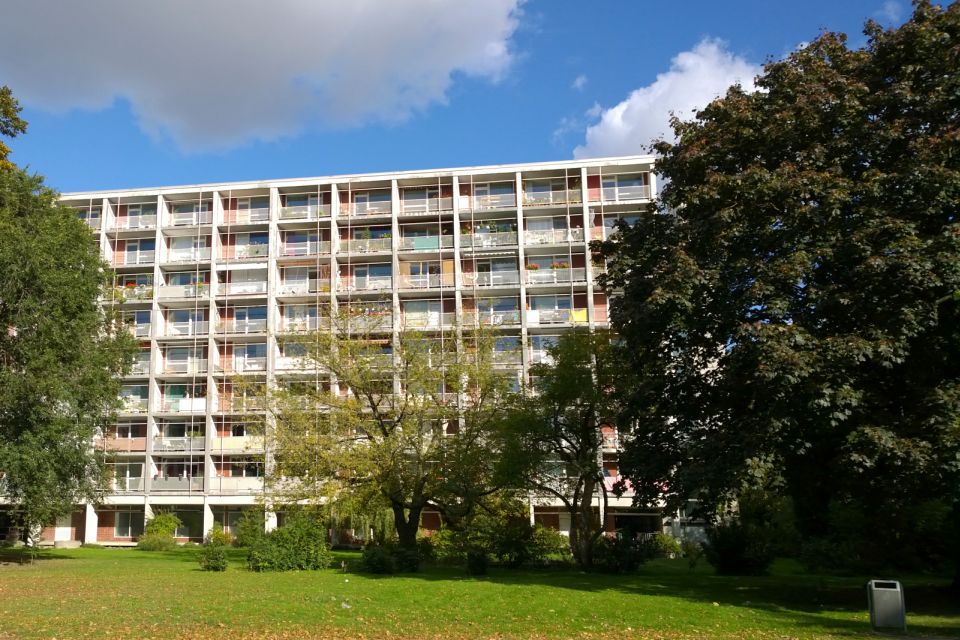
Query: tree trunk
x=407 y=522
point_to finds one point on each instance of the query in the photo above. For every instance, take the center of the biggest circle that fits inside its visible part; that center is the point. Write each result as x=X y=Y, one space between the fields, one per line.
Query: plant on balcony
x=559 y=265
x=533 y=266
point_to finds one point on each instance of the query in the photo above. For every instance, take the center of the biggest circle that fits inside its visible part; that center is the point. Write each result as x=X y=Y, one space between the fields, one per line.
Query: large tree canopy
x=791 y=302
x=60 y=356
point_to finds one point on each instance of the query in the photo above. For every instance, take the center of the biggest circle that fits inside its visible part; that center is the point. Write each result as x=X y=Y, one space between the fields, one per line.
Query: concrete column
x=270 y=521
x=90 y=522
x=207 y=518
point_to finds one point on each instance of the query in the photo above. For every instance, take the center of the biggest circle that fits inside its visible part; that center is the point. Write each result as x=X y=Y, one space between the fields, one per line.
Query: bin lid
x=884 y=584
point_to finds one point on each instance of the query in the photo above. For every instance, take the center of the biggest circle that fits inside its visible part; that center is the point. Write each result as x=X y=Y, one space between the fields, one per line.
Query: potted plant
x=533 y=266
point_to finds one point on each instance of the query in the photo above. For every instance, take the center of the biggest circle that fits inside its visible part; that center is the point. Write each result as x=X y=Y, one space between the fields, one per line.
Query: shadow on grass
x=25 y=556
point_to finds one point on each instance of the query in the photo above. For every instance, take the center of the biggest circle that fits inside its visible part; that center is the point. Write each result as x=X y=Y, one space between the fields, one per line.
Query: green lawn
x=104 y=593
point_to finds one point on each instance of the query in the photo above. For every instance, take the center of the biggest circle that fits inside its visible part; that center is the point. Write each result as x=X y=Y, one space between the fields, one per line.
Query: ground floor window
x=128 y=524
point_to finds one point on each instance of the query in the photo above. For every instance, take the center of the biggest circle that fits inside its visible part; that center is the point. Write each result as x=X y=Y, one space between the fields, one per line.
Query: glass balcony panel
x=625 y=193
x=137 y=222
x=304 y=212
x=491 y=279
x=125 y=444
x=162 y=443
x=227 y=484
x=424 y=206
x=242 y=288
x=304 y=287
x=426 y=281
x=188 y=218
x=231 y=325
x=495 y=201
x=249 y=251
x=496 y=239
x=188 y=328
x=139 y=257
x=189 y=255
x=177 y=484
x=311 y=248
x=366 y=245
x=184 y=291
x=426 y=243
x=246 y=216
x=369 y=283
x=198 y=365
x=556 y=276
x=184 y=405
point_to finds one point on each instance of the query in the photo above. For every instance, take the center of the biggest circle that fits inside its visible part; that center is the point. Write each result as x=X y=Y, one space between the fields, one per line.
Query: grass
x=104 y=593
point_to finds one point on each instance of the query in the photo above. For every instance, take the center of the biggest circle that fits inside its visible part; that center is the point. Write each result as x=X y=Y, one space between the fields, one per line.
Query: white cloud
x=695 y=78
x=890 y=12
x=579 y=82
x=219 y=73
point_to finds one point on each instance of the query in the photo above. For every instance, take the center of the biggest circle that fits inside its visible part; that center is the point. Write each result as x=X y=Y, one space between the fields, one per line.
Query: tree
x=552 y=442
x=10 y=124
x=791 y=303
x=61 y=352
x=397 y=421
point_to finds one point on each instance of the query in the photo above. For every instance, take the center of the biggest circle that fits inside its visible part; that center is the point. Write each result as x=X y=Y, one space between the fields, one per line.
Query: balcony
x=187 y=328
x=135 y=222
x=133 y=404
x=140 y=368
x=231 y=325
x=185 y=484
x=428 y=320
x=370 y=322
x=139 y=330
x=425 y=206
x=360 y=209
x=495 y=201
x=249 y=252
x=485 y=240
x=426 y=281
x=162 y=443
x=140 y=292
x=311 y=248
x=512 y=356
x=93 y=223
x=426 y=243
x=553 y=197
x=125 y=444
x=185 y=367
x=561 y=275
x=295 y=325
x=248 y=216
x=227 y=484
x=183 y=405
x=138 y=257
x=368 y=283
x=305 y=212
x=183 y=291
x=625 y=193
x=491 y=318
x=540 y=356
x=366 y=245
x=304 y=287
x=237 y=443
x=492 y=279
x=241 y=288
x=128 y=485
x=290 y=363
x=552 y=236
x=556 y=316
x=244 y=365
x=190 y=255
x=240 y=404
x=189 y=218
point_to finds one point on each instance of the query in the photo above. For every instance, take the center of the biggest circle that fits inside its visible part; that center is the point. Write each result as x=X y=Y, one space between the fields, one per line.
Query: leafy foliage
x=250 y=528
x=158 y=532
x=622 y=553
x=790 y=306
x=213 y=554
x=739 y=549
x=300 y=544
x=10 y=124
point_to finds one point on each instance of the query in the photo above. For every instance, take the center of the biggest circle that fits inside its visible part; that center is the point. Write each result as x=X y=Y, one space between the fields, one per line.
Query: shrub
x=377 y=559
x=666 y=546
x=217 y=537
x=425 y=548
x=546 y=543
x=250 y=528
x=477 y=562
x=622 y=554
x=299 y=544
x=213 y=558
x=692 y=551
x=163 y=523
x=406 y=560
x=734 y=548
x=154 y=542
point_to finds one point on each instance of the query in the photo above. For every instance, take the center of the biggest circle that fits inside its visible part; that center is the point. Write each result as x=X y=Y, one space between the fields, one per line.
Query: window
x=238 y=429
x=128 y=524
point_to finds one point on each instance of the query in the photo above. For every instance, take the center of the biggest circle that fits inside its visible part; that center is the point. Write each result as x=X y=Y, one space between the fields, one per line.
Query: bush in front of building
x=250 y=528
x=666 y=546
x=378 y=559
x=158 y=532
x=213 y=554
x=300 y=544
x=737 y=548
x=622 y=553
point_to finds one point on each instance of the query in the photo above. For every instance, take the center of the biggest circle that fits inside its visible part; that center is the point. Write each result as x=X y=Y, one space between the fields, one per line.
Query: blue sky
x=124 y=94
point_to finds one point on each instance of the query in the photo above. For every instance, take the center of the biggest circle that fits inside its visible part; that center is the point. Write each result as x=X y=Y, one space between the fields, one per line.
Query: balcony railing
x=305 y=212
x=244 y=365
x=425 y=206
x=227 y=484
x=184 y=291
x=563 y=275
x=370 y=322
x=552 y=236
x=188 y=218
x=139 y=257
x=140 y=368
x=240 y=404
x=237 y=443
x=512 y=356
x=125 y=444
x=248 y=252
x=547 y=198
x=621 y=194
x=246 y=216
x=163 y=443
x=187 y=328
x=132 y=294
x=304 y=287
x=128 y=485
x=491 y=318
x=190 y=255
x=132 y=404
x=241 y=288
x=359 y=209
x=540 y=356
x=368 y=283
x=365 y=245
x=310 y=248
x=497 y=201
x=185 y=484
x=183 y=405
x=300 y=324
x=93 y=223
x=136 y=222
x=426 y=281
x=491 y=279
x=198 y=365
x=232 y=325
x=428 y=320
x=483 y=240
x=426 y=243
x=139 y=330
x=556 y=316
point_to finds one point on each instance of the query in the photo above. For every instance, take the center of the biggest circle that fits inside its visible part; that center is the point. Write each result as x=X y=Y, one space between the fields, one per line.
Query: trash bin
x=887 y=606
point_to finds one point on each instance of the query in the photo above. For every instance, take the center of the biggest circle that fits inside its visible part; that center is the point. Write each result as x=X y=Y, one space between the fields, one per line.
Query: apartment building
x=210 y=278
